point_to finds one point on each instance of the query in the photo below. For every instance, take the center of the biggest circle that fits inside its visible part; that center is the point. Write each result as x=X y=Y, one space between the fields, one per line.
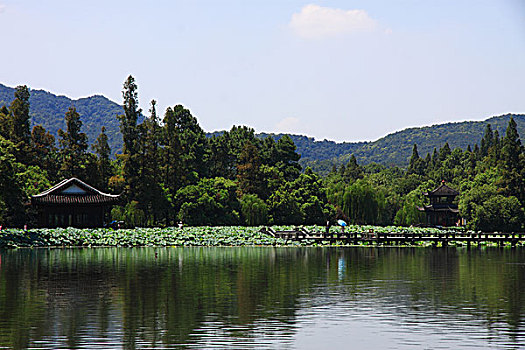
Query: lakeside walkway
x=398 y=238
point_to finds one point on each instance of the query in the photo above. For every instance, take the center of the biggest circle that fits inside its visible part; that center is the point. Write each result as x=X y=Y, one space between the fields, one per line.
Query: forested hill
x=396 y=148
x=96 y=111
x=49 y=110
x=310 y=149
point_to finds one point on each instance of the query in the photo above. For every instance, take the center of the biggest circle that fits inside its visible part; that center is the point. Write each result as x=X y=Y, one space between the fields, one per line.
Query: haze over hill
x=96 y=111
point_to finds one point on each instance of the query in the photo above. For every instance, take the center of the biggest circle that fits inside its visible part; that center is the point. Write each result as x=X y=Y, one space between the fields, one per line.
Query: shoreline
x=205 y=236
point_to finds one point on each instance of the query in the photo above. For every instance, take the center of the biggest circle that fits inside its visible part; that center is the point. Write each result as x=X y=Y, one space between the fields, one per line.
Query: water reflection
x=388 y=298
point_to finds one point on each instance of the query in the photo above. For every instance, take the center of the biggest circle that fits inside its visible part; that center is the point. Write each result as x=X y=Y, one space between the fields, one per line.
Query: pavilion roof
x=73 y=191
x=442 y=190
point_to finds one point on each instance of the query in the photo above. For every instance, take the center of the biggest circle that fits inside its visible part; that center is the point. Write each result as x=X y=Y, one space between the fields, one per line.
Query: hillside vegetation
x=395 y=149
x=96 y=111
x=48 y=110
x=170 y=170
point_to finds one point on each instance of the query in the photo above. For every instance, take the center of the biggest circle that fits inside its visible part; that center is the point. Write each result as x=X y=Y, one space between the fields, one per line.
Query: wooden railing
x=401 y=238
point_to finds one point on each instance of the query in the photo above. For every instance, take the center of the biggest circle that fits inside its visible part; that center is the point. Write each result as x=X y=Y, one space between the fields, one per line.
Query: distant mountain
x=312 y=150
x=49 y=111
x=396 y=148
x=96 y=111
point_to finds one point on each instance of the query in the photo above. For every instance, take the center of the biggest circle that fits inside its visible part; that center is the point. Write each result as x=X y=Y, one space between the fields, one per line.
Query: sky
x=336 y=70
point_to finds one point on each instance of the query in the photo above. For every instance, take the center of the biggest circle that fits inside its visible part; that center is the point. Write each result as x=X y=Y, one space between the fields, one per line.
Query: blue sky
x=340 y=70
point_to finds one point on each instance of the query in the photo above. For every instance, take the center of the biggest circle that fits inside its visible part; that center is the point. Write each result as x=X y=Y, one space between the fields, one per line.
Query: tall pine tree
x=512 y=183
x=103 y=152
x=73 y=145
x=130 y=136
x=19 y=123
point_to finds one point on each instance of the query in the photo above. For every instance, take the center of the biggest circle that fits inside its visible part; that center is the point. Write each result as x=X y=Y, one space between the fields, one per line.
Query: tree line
x=169 y=171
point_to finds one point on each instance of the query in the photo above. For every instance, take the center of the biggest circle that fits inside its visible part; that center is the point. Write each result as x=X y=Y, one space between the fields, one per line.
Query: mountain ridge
x=48 y=110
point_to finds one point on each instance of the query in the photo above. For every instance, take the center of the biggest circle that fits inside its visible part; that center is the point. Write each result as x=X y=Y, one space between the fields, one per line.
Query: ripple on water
x=264 y=299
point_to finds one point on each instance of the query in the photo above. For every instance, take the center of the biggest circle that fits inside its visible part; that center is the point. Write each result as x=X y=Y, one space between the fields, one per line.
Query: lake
x=262 y=298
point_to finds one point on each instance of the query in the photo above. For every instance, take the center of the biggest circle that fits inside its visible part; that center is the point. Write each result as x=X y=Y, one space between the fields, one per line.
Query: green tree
x=486 y=210
x=226 y=149
x=130 y=213
x=444 y=152
x=20 y=116
x=268 y=151
x=128 y=120
x=360 y=203
x=254 y=210
x=416 y=164
x=511 y=182
x=409 y=213
x=209 y=202
x=5 y=122
x=130 y=137
x=19 y=124
x=103 y=152
x=185 y=149
x=46 y=157
x=73 y=145
x=152 y=193
x=309 y=192
x=284 y=209
x=222 y=162
x=287 y=158
x=11 y=194
x=352 y=171
x=249 y=176
x=487 y=141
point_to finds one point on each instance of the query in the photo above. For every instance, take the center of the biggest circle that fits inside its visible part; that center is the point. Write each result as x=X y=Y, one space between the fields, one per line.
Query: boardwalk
x=401 y=238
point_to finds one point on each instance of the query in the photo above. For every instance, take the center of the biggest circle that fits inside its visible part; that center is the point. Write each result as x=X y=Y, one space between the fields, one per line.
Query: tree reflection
x=155 y=297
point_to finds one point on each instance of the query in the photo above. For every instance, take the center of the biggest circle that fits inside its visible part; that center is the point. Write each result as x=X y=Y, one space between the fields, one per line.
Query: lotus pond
x=171 y=236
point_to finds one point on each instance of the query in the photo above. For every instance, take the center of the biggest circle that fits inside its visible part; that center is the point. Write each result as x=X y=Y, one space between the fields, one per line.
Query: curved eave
x=91 y=200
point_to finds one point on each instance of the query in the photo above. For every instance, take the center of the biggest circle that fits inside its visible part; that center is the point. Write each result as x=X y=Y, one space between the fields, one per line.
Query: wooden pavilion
x=72 y=203
x=442 y=211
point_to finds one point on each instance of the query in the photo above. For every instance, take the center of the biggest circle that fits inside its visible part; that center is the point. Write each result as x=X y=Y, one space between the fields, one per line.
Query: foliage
x=11 y=194
x=209 y=202
x=48 y=111
x=171 y=236
x=409 y=214
x=170 y=170
x=73 y=144
x=396 y=149
x=131 y=214
x=284 y=209
x=103 y=152
x=499 y=213
x=487 y=210
x=254 y=210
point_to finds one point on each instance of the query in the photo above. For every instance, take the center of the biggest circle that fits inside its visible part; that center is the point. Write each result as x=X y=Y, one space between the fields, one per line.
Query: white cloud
x=318 y=22
x=2 y=7
x=287 y=125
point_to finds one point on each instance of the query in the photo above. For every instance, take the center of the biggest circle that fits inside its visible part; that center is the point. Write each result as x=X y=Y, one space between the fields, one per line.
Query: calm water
x=262 y=298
